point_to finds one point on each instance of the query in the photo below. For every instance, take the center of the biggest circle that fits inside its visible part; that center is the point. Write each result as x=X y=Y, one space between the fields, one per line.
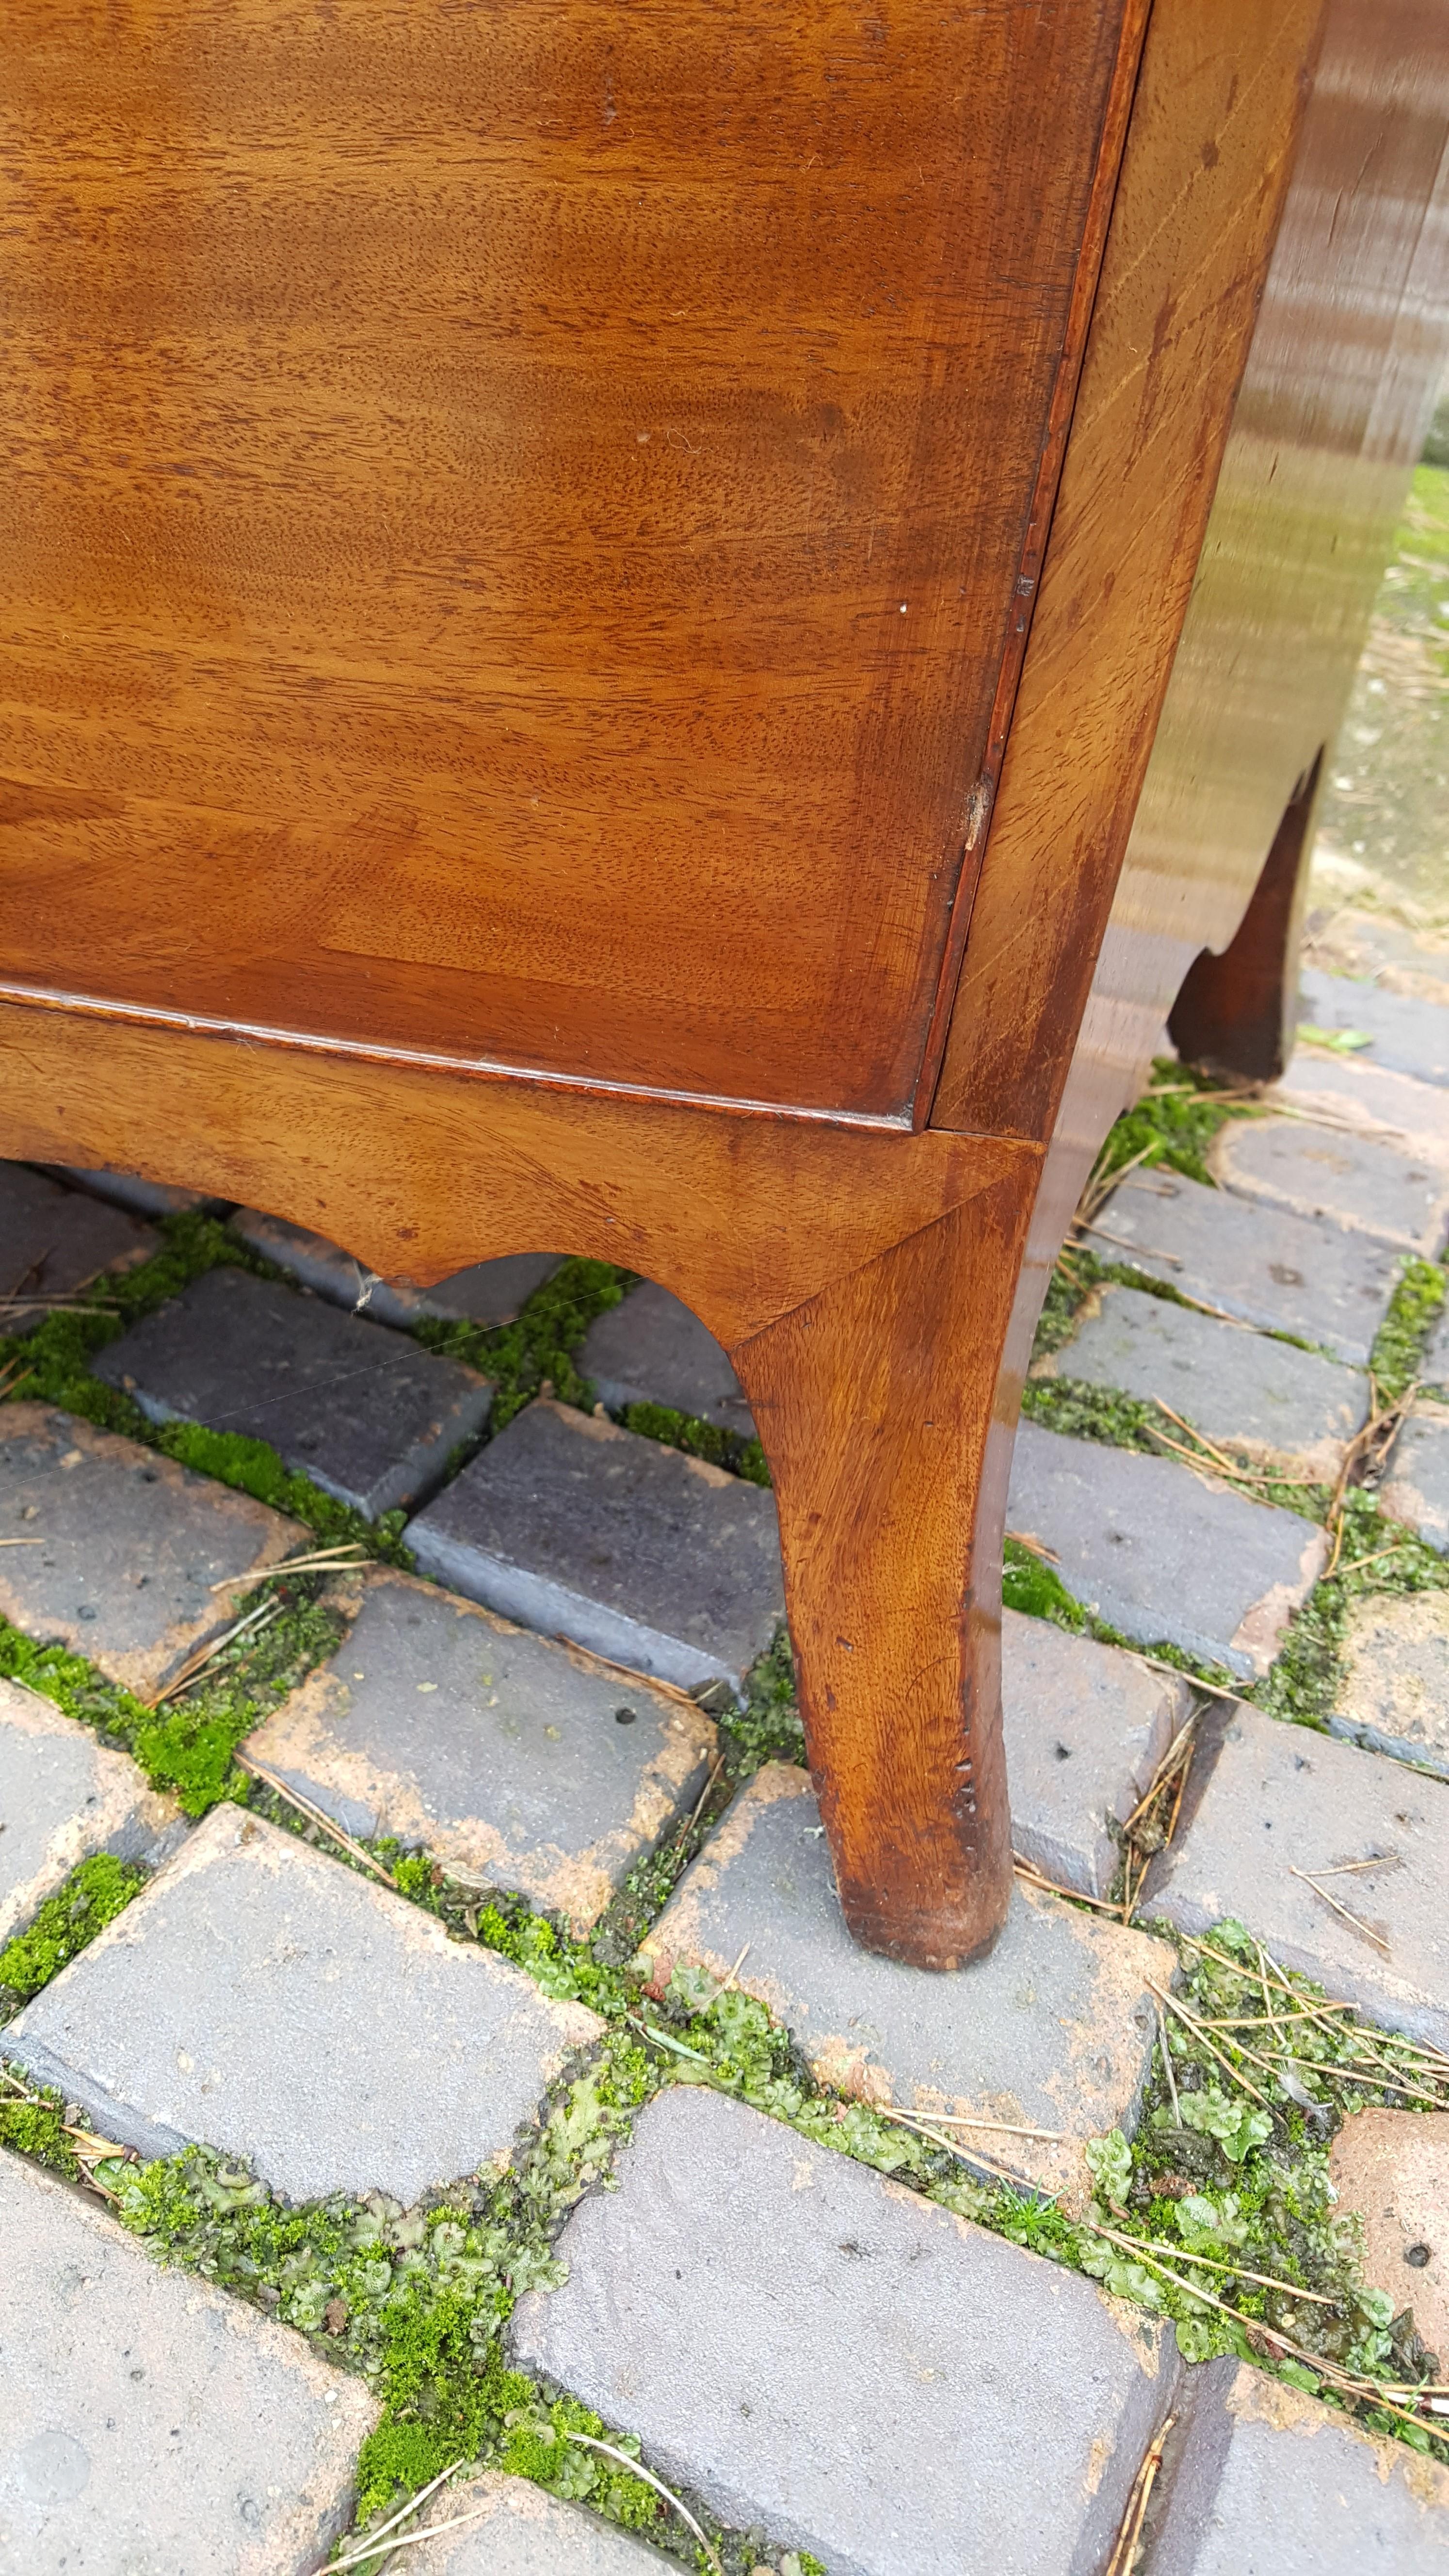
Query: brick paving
x=55 y=1242
x=515 y=1762
x=811 y=2347
x=1288 y=1822
x=63 y=1797
x=1259 y=1265
x=255 y=1997
x=516 y=2529
x=1394 y=1692
x=1355 y=1092
x=122 y=1555
x=490 y=1293
x=1266 y=2479
x=129 y=1190
x=568 y=1524
x=1053 y=2032
x=1275 y=1403
x=1086 y=1726
x=1354 y=1181
x=1416 y=1486
x=1391 y=2169
x=1408 y=1035
x=1159 y=1552
x=808 y=2350
x=652 y=1350
x=363 y=1412
x=148 y=2421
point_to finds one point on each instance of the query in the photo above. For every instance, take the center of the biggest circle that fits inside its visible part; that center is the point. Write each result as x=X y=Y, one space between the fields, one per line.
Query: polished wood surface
x=860 y=1279
x=1348 y=349
x=521 y=520
x=1237 y=1011
x=467 y=470
x=1214 y=129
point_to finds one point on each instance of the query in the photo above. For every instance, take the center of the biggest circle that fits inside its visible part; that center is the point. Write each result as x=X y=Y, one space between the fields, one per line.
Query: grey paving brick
x=1409 y=1036
x=569 y=1524
x=149 y=2424
x=1393 y=1691
x=1286 y=1274
x=1283 y=1799
x=1085 y=1726
x=521 y=2531
x=1416 y=1482
x=143 y=1198
x=1391 y=2170
x=1159 y=1552
x=1267 y=2482
x=130 y=1545
x=54 y=1241
x=1351 y=1090
x=1053 y=2030
x=364 y=1412
x=1357 y=1181
x=1434 y=1366
x=1367 y=947
x=842 y=2363
x=63 y=1796
x=653 y=1349
x=262 y=1998
x=516 y=1762
x=1267 y=1398
x=490 y=1293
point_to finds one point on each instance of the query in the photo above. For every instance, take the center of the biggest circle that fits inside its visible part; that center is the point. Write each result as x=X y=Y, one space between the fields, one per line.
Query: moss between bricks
x=53 y=1365
x=188 y=1746
x=96 y=1891
x=1219 y=2173
x=698 y=1439
x=1174 y=1122
x=1414 y=1309
x=417 y=2300
x=1079 y=1270
x=1303 y=1682
x=534 y=1352
x=1264 y=2198
x=1244 y=2181
x=537 y=1349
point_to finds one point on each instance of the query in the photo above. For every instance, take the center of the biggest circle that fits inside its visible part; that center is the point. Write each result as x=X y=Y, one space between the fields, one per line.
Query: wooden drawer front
x=513 y=512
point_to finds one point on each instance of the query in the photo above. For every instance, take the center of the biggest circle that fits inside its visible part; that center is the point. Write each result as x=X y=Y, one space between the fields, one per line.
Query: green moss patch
x=94 y=1894
x=537 y=1349
x=1414 y=1310
x=416 y=2299
x=1174 y=1122
x=1377 y=1556
x=188 y=1745
x=32 y=2122
x=698 y=1439
x=53 y=1367
x=1086 y=1412
x=1230 y=2164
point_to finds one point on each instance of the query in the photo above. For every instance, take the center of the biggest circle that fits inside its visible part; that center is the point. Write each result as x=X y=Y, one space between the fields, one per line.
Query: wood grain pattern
x=466 y=469
x=870 y=1361
x=1350 y=345
x=1219 y=101
x=875 y=1401
x=513 y=513
x=1350 y=341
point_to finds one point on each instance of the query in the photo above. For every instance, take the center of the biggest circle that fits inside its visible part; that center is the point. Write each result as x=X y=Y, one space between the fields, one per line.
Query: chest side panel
x=513 y=512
